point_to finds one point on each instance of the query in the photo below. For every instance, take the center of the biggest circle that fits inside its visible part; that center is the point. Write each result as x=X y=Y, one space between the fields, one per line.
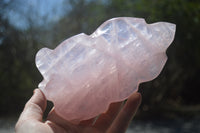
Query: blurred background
x=171 y=102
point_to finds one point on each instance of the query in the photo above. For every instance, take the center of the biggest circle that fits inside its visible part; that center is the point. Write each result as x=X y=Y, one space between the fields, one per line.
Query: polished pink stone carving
x=85 y=73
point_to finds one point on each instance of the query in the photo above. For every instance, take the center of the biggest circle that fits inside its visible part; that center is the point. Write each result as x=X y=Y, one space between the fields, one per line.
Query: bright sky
x=38 y=12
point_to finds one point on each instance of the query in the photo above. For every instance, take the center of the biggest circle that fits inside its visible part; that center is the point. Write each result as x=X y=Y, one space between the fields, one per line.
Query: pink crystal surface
x=85 y=73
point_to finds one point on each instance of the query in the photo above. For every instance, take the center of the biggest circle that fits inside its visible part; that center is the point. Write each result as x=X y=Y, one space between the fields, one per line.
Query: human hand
x=115 y=120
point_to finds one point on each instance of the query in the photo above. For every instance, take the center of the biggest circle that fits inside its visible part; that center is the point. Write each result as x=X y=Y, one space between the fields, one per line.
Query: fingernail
x=34 y=91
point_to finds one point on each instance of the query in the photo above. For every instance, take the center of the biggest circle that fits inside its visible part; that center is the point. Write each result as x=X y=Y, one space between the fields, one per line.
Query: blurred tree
x=181 y=74
x=18 y=75
x=14 y=69
x=85 y=16
x=178 y=83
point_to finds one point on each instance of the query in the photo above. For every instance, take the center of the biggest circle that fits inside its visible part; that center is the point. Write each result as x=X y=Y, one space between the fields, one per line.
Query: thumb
x=35 y=107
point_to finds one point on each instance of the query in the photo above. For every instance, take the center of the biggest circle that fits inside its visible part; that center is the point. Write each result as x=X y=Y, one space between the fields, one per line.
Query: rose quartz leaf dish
x=85 y=73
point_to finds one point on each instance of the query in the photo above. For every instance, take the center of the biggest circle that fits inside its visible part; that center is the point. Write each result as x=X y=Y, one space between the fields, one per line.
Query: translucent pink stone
x=85 y=73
